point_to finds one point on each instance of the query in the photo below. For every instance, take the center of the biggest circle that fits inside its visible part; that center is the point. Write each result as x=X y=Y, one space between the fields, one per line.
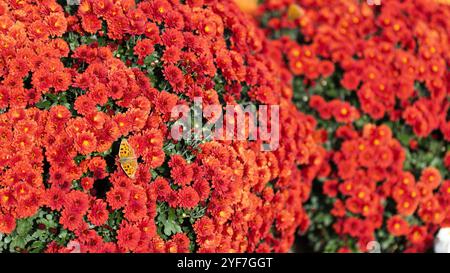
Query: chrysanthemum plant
x=88 y=158
x=376 y=80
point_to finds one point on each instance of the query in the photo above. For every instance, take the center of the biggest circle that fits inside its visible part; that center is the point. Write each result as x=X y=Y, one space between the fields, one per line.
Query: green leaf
x=17 y=244
x=37 y=246
x=23 y=226
x=44 y=105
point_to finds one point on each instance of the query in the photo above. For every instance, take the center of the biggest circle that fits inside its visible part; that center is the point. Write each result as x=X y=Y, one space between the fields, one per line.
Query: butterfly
x=128 y=159
x=295 y=12
x=247 y=6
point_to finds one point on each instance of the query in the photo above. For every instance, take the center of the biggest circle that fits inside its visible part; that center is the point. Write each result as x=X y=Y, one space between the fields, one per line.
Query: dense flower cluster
x=79 y=80
x=76 y=80
x=371 y=191
x=388 y=57
x=376 y=79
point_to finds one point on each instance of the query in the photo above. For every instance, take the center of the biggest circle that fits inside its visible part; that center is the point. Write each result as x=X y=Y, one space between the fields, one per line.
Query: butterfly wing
x=294 y=12
x=130 y=167
x=247 y=6
x=128 y=159
x=125 y=150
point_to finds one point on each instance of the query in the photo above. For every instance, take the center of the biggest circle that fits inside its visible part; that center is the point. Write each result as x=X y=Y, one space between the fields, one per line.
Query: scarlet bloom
x=85 y=142
x=181 y=172
x=152 y=32
x=154 y=157
x=188 y=197
x=173 y=37
x=352 y=226
x=407 y=206
x=343 y=111
x=147 y=227
x=59 y=114
x=128 y=237
x=7 y=223
x=330 y=188
x=171 y=55
x=87 y=183
x=102 y=7
x=85 y=105
x=135 y=210
x=165 y=102
x=203 y=188
x=55 y=198
x=56 y=24
x=431 y=177
x=445 y=189
x=175 y=77
x=397 y=226
x=317 y=102
x=98 y=214
x=144 y=48
x=162 y=188
x=447 y=160
x=350 y=80
x=77 y=201
x=152 y=138
x=204 y=227
x=417 y=235
x=71 y=220
x=181 y=241
x=171 y=247
x=97 y=166
x=326 y=68
x=117 y=197
x=123 y=123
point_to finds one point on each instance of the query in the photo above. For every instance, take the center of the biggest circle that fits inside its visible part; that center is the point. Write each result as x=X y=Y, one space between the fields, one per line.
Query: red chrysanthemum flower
x=397 y=226
x=128 y=237
x=117 y=197
x=71 y=220
x=162 y=188
x=172 y=37
x=55 y=198
x=77 y=201
x=187 y=197
x=98 y=214
x=175 y=77
x=181 y=172
x=7 y=223
x=144 y=48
